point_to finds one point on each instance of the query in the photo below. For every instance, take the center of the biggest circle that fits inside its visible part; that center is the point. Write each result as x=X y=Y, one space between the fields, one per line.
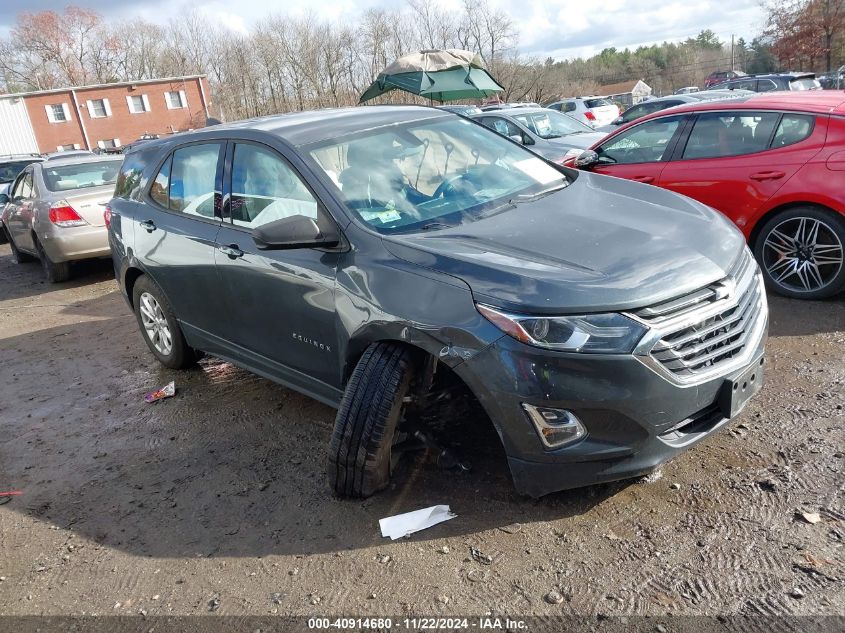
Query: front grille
x=704 y=330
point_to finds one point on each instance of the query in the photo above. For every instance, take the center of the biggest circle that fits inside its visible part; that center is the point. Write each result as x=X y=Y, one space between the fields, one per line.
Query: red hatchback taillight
x=107 y=216
x=590 y=116
x=62 y=214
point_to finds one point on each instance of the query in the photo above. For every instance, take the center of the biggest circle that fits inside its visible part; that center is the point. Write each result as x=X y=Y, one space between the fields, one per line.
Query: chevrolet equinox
x=362 y=255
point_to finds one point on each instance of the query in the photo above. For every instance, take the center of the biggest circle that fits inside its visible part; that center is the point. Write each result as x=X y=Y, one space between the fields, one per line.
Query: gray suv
x=377 y=258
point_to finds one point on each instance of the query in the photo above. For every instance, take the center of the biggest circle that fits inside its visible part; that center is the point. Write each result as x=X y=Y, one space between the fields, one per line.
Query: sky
x=561 y=29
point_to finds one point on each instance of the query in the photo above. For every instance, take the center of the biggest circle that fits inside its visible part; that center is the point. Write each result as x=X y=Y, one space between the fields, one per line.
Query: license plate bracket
x=738 y=390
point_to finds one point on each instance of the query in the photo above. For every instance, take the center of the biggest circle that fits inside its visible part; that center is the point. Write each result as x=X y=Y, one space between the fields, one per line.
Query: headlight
x=591 y=333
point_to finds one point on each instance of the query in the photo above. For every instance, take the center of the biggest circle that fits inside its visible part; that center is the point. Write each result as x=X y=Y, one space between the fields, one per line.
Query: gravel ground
x=215 y=501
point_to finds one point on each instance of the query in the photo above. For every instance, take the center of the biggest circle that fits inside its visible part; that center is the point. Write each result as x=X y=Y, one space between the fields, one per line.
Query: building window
x=175 y=99
x=68 y=147
x=108 y=143
x=57 y=112
x=138 y=104
x=99 y=108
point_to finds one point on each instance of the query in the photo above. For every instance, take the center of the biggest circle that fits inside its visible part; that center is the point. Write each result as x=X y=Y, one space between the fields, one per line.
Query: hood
x=601 y=244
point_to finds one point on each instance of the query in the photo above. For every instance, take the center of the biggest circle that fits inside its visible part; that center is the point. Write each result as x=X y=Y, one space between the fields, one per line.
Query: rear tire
x=360 y=448
x=55 y=272
x=801 y=252
x=3 y=237
x=17 y=256
x=159 y=327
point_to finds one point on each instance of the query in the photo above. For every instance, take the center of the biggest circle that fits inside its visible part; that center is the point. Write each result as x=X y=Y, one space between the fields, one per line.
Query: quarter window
x=159 y=191
x=265 y=188
x=191 y=180
x=793 y=128
x=721 y=134
x=644 y=143
x=130 y=179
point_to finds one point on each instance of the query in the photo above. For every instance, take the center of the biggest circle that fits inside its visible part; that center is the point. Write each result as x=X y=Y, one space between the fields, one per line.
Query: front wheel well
x=433 y=378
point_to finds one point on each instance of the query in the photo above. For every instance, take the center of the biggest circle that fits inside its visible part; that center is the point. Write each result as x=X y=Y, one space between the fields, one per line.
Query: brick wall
x=119 y=123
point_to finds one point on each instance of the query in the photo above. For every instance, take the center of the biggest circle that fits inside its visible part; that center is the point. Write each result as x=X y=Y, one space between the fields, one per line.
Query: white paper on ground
x=404 y=524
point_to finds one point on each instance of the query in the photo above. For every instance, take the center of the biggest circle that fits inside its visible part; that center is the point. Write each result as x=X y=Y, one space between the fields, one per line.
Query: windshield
x=432 y=173
x=551 y=124
x=804 y=84
x=81 y=175
x=10 y=171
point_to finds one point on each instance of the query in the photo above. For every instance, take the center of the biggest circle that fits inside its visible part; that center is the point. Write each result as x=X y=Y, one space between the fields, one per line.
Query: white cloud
x=558 y=28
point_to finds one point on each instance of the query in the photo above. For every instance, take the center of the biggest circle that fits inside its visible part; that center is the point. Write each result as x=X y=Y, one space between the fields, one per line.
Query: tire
x=3 y=237
x=147 y=294
x=17 y=256
x=55 y=272
x=801 y=252
x=359 y=452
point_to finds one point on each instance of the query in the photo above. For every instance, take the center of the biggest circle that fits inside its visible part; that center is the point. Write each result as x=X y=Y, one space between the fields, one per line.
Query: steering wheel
x=448 y=186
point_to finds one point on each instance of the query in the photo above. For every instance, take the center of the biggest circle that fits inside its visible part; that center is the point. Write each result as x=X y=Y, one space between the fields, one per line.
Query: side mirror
x=296 y=231
x=517 y=138
x=618 y=121
x=586 y=159
x=4 y=199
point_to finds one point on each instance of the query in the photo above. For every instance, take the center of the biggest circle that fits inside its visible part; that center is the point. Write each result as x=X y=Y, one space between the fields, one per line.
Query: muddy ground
x=215 y=501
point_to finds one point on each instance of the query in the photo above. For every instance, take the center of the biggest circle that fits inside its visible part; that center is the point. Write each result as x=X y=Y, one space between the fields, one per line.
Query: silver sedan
x=54 y=212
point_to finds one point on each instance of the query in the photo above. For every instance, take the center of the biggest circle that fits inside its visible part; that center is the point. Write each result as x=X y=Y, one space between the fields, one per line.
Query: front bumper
x=76 y=242
x=635 y=417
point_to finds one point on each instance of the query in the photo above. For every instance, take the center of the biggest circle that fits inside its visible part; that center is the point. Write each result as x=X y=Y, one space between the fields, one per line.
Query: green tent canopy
x=440 y=75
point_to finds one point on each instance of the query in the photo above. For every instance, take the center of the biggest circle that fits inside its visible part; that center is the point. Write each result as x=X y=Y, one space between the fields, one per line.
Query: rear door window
x=766 y=85
x=265 y=188
x=643 y=143
x=720 y=134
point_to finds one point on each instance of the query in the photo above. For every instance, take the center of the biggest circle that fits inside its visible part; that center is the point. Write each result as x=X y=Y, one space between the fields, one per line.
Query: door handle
x=645 y=179
x=767 y=175
x=149 y=225
x=231 y=251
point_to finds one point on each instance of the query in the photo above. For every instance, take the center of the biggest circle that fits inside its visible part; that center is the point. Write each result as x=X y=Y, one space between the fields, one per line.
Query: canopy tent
x=440 y=75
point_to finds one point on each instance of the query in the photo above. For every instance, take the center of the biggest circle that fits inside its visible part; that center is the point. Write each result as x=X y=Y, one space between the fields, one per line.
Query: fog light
x=556 y=427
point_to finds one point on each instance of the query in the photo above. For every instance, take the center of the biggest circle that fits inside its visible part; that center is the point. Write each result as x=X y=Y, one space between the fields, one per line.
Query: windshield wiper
x=526 y=197
x=436 y=225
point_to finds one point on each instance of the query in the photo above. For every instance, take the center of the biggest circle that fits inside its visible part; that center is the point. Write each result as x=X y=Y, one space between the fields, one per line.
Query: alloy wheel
x=155 y=324
x=802 y=254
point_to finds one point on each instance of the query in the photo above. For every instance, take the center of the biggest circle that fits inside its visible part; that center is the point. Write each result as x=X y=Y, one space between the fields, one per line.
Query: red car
x=774 y=163
x=720 y=76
